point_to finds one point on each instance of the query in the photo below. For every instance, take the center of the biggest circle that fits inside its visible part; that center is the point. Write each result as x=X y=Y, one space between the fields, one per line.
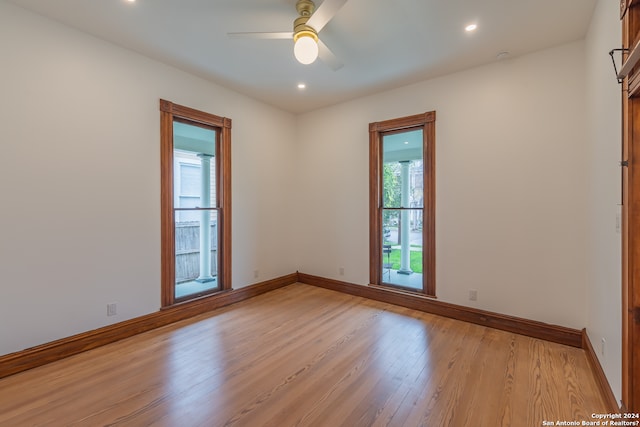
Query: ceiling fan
x=307 y=46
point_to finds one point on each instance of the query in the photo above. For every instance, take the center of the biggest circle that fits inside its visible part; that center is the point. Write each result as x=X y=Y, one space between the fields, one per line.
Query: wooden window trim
x=425 y=121
x=168 y=113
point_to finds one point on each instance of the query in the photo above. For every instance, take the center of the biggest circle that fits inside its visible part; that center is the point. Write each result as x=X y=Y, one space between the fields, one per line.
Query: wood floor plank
x=306 y=356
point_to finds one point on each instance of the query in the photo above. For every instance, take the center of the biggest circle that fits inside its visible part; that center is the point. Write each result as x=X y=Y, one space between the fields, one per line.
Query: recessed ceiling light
x=301 y=85
x=470 y=27
x=406 y=143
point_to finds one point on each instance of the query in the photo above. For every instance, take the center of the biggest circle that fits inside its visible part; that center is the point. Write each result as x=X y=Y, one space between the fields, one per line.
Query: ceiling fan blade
x=325 y=54
x=324 y=13
x=282 y=35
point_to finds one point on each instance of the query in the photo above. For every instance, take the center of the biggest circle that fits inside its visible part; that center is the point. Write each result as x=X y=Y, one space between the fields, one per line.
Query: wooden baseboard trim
x=531 y=328
x=598 y=372
x=40 y=355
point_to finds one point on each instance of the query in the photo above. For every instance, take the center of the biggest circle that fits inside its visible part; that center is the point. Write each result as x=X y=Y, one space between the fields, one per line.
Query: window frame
x=170 y=112
x=377 y=130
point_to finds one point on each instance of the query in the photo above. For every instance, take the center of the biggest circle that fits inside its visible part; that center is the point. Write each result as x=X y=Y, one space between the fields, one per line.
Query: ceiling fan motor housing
x=300 y=28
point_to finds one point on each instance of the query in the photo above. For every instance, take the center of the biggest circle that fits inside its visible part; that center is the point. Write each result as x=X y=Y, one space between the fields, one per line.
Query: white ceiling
x=383 y=43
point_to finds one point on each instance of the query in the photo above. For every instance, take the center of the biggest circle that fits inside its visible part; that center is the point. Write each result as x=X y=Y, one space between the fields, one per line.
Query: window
x=402 y=203
x=195 y=203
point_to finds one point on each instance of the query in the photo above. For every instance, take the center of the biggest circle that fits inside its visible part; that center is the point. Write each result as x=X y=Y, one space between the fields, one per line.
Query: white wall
x=510 y=175
x=80 y=180
x=603 y=148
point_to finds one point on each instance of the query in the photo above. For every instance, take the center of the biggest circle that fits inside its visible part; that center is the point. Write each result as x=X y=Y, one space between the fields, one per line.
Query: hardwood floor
x=307 y=356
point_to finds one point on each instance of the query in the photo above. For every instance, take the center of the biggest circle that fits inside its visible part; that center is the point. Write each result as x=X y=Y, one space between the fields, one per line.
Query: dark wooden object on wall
x=630 y=72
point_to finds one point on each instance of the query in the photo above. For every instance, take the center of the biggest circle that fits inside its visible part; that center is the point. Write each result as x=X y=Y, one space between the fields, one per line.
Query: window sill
x=403 y=291
x=196 y=300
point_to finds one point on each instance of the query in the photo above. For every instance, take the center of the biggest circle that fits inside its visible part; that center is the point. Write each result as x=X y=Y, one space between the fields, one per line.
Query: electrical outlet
x=603 y=343
x=341 y=271
x=256 y=273
x=473 y=295
x=112 y=309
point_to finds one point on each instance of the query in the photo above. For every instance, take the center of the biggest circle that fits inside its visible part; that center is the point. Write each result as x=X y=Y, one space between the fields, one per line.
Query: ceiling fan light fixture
x=305 y=47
